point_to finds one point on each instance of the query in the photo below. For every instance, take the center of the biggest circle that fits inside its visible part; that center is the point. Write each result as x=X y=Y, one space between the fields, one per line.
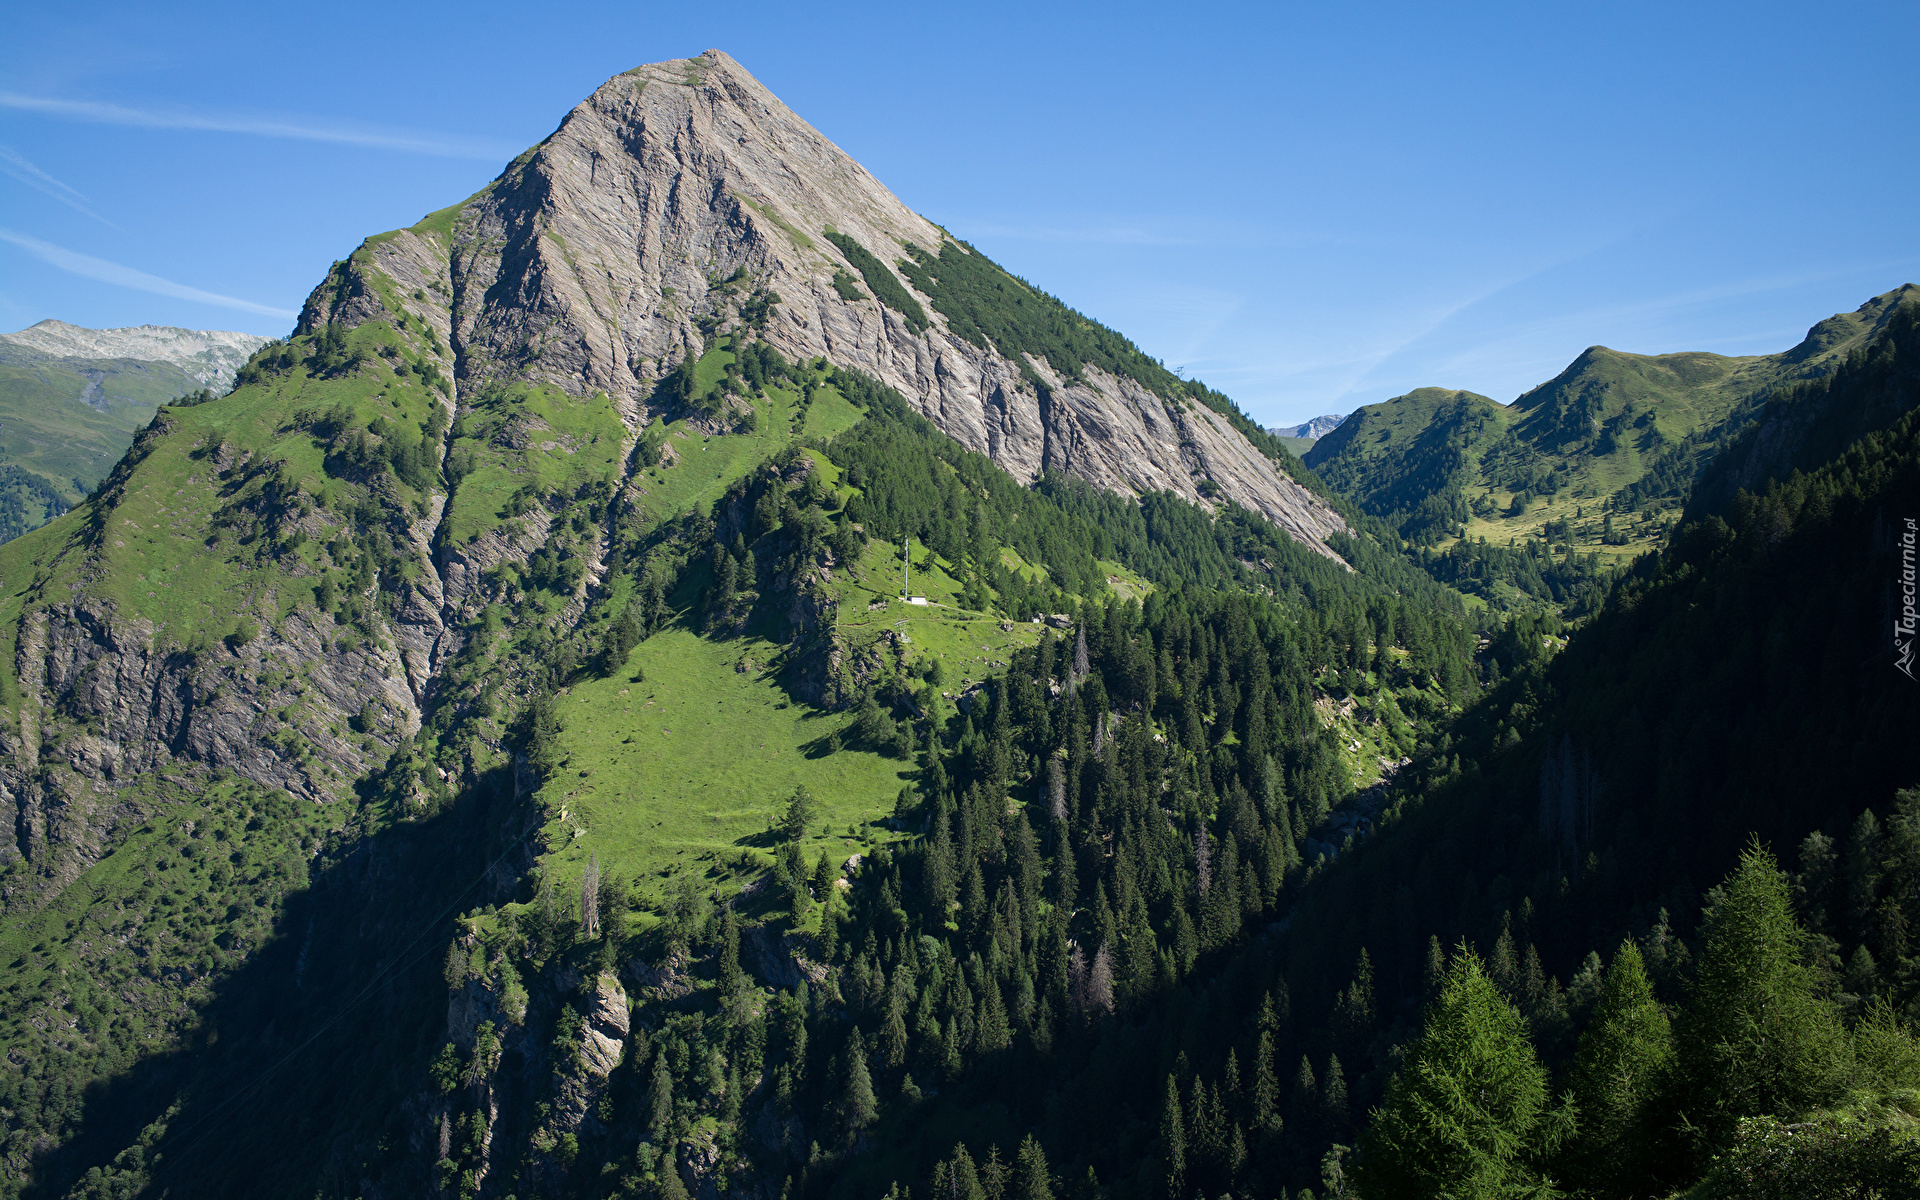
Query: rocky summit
x=598 y=261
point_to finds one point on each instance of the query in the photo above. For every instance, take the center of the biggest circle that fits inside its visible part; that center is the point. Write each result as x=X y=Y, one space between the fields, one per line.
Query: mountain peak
x=1318 y=427
x=625 y=242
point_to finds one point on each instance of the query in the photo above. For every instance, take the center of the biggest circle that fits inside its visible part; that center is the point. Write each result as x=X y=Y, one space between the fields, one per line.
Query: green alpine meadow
x=682 y=679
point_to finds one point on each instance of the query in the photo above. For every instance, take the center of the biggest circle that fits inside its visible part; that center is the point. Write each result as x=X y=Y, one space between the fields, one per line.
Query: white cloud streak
x=412 y=142
x=89 y=267
x=16 y=166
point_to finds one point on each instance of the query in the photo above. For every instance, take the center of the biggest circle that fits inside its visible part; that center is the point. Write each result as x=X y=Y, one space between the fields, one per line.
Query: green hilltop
x=67 y=417
x=1595 y=462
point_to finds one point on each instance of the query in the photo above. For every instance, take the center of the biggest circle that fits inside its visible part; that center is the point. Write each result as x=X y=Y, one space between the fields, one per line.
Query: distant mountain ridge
x=1601 y=455
x=208 y=356
x=1309 y=431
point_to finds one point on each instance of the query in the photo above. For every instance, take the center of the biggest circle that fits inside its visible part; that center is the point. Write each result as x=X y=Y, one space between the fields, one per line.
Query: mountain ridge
x=210 y=356
x=1309 y=431
x=1622 y=433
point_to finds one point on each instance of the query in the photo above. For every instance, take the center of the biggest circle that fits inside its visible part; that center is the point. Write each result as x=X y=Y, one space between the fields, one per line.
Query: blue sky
x=1311 y=207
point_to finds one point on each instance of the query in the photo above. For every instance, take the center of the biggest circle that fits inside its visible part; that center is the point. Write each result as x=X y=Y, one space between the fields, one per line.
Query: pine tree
x=1468 y=1108
x=1173 y=1145
x=1755 y=1037
x=1623 y=1063
x=858 y=1109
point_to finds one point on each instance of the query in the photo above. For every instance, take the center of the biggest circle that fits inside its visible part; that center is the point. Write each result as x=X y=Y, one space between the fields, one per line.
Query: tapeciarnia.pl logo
x=1903 y=629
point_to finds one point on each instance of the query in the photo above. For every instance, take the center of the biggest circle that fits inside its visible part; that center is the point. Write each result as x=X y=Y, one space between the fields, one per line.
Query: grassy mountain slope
x=64 y=422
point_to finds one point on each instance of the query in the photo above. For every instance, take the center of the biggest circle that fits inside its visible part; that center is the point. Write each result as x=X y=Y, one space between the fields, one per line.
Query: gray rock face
x=1312 y=430
x=591 y=264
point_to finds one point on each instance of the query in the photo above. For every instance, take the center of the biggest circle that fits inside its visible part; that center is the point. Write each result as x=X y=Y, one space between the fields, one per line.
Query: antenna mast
x=906 y=559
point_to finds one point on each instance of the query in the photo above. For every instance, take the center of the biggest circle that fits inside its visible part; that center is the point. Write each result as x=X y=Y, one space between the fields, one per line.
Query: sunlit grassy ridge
x=174 y=538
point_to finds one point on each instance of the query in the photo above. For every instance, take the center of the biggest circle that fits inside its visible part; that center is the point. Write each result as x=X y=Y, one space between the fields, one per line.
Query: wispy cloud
x=408 y=141
x=89 y=267
x=1188 y=232
x=1110 y=235
x=12 y=164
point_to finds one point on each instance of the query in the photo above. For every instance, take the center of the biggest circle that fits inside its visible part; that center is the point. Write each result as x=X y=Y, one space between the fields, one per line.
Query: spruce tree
x=993 y=1175
x=660 y=1099
x=590 y=897
x=1333 y=1101
x=858 y=1109
x=731 y=978
x=1266 y=1089
x=956 y=1178
x=1304 y=1106
x=1031 y=1178
x=801 y=812
x=1467 y=1110
x=1173 y=1145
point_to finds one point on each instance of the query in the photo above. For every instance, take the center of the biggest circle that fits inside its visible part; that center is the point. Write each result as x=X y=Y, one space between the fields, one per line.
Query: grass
x=799 y=238
x=691 y=764
x=531 y=437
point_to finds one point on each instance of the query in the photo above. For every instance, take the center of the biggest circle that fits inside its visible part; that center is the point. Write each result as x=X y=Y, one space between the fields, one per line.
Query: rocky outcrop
x=580 y=1083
